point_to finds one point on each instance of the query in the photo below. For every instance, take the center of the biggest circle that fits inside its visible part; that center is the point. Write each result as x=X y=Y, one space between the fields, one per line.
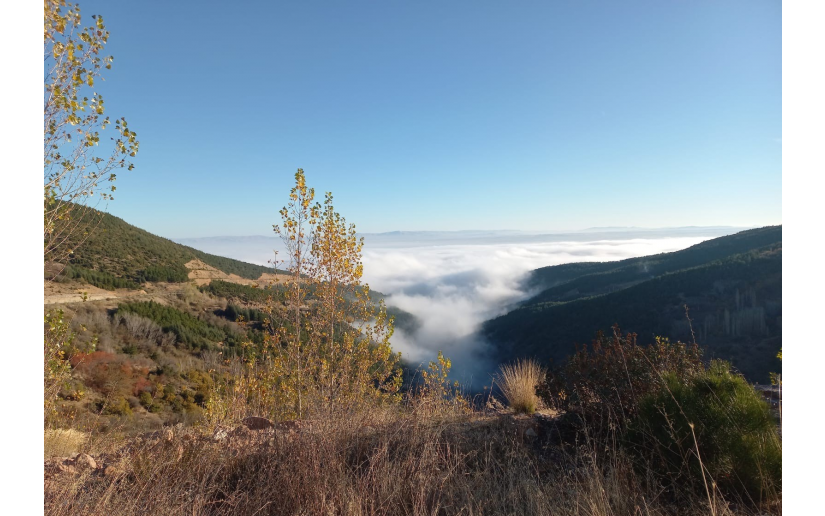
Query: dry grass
x=518 y=383
x=62 y=443
x=344 y=467
x=388 y=462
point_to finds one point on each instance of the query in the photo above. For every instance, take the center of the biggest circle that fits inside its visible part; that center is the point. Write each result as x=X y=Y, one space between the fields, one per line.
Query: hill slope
x=732 y=285
x=577 y=280
x=118 y=249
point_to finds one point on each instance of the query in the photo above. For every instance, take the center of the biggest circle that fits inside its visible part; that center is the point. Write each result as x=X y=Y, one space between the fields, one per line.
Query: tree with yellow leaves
x=78 y=164
x=77 y=168
x=327 y=343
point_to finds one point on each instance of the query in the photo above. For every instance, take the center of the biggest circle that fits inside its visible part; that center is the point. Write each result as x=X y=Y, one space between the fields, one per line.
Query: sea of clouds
x=454 y=281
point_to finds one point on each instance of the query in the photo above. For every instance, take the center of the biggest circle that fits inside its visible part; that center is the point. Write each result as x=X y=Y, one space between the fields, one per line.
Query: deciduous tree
x=79 y=163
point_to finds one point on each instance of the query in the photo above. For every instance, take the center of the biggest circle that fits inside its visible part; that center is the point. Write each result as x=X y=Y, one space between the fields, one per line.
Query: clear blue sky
x=433 y=115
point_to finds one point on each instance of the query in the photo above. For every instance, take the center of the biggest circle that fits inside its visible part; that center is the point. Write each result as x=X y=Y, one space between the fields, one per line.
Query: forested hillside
x=577 y=280
x=117 y=254
x=732 y=286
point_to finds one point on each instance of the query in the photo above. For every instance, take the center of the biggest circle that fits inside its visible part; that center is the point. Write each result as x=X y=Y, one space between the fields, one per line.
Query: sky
x=460 y=115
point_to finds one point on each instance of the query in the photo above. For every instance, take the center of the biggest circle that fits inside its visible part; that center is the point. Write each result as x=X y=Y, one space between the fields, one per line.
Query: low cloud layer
x=453 y=289
x=453 y=282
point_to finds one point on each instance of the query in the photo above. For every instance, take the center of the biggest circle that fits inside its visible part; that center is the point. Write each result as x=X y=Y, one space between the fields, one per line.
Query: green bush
x=735 y=433
x=190 y=330
x=99 y=279
x=148 y=402
x=117 y=407
x=235 y=313
x=244 y=293
x=168 y=273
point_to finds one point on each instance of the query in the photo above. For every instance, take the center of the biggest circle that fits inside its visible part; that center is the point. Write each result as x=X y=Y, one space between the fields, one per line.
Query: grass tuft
x=518 y=382
x=62 y=443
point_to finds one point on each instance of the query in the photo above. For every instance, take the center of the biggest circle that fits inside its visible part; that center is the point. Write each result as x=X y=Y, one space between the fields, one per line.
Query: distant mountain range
x=732 y=286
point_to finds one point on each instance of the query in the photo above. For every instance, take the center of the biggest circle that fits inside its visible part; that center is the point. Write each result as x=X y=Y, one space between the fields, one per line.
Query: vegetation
x=238 y=292
x=165 y=273
x=605 y=383
x=239 y=313
x=717 y=426
x=518 y=383
x=113 y=247
x=327 y=342
x=99 y=279
x=698 y=429
x=212 y=356
x=190 y=331
x=379 y=463
x=57 y=342
x=580 y=280
x=78 y=165
x=735 y=305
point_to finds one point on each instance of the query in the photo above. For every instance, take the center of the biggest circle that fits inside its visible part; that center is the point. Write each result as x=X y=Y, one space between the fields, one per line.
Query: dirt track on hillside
x=199 y=273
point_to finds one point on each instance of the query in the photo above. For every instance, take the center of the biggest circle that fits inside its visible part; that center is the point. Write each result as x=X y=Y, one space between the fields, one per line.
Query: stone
x=85 y=461
x=220 y=434
x=66 y=468
x=530 y=433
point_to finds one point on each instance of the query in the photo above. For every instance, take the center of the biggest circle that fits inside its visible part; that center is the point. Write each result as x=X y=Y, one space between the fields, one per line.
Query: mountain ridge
x=731 y=286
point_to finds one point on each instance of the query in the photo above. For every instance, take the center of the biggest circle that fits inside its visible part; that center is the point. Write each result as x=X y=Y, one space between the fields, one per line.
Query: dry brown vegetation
x=383 y=461
x=518 y=382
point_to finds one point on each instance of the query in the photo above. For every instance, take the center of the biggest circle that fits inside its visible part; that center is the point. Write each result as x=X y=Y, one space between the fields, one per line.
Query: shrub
x=190 y=330
x=435 y=394
x=117 y=407
x=61 y=442
x=57 y=342
x=720 y=416
x=518 y=383
x=99 y=279
x=604 y=384
x=169 y=273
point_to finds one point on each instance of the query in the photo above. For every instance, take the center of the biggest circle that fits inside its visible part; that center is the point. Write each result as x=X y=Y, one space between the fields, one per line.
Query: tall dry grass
x=388 y=462
x=62 y=442
x=518 y=382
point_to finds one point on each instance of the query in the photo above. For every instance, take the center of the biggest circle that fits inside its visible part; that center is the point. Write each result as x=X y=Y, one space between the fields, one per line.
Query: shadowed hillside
x=732 y=286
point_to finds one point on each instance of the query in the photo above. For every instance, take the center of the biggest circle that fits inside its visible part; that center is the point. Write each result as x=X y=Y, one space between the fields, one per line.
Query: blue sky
x=448 y=115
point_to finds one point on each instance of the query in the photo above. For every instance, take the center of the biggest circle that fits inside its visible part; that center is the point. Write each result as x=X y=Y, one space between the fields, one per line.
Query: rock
x=66 y=468
x=220 y=434
x=530 y=433
x=168 y=434
x=494 y=404
x=85 y=461
x=257 y=423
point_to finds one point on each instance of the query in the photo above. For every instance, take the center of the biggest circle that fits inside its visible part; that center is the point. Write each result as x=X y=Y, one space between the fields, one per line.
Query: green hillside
x=577 y=280
x=735 y=303
x=120 y=254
